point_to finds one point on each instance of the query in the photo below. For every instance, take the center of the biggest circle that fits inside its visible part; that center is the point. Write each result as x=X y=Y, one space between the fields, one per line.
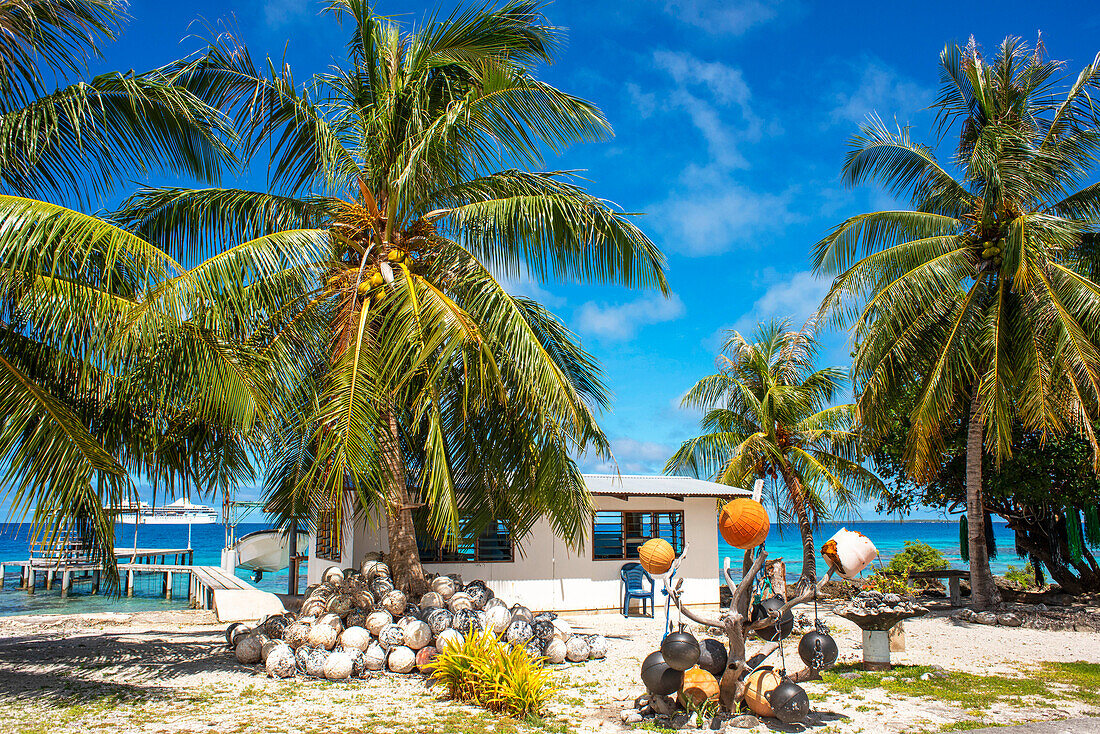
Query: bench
x=952 y=576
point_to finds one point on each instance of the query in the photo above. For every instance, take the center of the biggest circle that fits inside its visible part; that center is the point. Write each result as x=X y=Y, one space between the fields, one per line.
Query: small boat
x=263 y=550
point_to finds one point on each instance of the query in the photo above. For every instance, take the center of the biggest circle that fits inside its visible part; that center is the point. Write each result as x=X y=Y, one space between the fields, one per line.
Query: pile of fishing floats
x=356 y=623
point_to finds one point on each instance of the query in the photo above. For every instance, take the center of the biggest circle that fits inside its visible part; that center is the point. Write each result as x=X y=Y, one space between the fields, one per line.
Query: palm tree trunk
x=404 y=558
x=805 y=529
x=983 y=592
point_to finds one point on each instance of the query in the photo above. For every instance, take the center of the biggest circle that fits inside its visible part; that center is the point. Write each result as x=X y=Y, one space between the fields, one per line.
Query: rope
x=668 y=606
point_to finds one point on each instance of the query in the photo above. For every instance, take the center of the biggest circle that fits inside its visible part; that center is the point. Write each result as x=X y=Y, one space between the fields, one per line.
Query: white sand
x=171 y=672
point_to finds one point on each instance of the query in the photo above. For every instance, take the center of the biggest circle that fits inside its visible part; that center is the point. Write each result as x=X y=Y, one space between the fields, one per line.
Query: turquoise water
x=208 y=540
x=888 y=537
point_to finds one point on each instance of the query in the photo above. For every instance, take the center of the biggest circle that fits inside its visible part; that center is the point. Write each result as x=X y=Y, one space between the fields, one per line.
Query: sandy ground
x=171 y=672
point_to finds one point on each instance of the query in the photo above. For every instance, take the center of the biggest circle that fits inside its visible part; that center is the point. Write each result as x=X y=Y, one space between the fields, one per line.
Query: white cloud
x=710 y=221
x=732 y=17
x=794 y=298
x=632 y=457
x=278 y=13
x=716 y=99
x=879 y=90
x=527 y=286
x=620 y=322
x=644 y=102
x=708 y=212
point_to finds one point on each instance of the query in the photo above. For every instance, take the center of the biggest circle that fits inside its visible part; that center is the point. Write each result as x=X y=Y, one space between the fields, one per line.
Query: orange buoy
x=757 y=686
x=744 y=523
x=656 y=556
x=699 y=687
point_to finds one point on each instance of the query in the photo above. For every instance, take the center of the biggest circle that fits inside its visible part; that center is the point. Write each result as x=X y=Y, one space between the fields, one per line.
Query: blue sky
x=731 y=120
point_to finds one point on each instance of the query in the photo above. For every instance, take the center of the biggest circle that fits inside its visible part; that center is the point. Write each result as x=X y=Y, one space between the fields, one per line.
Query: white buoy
x=338 y=666
x=322 y=635
x=577 y=649
x=555 y=652
x=497 y=619
x=417 y=635
x=355 y=637
x=248 y=649
x=444 y=586
x=391 y=636
x=374 y=657
x=460 y=601
x=280 y=661
x=332 y=620
x=446 y=638
x=401 y=660
x=432 y=600
x=378 y=619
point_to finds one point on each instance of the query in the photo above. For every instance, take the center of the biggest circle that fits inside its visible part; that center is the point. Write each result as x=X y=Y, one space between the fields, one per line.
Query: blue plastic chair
x=634 y=578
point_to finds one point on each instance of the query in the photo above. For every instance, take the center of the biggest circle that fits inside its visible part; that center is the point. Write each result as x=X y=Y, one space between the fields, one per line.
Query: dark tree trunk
x=983 y=591
x=1034 y=537
x=404 y=558
x=805 y=528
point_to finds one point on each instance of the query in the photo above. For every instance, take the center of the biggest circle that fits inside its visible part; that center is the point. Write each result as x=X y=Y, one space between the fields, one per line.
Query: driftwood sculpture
x=735 y=622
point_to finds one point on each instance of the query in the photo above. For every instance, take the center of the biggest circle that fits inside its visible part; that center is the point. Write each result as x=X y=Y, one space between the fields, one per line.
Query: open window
x=616 y=536
x=492 y=546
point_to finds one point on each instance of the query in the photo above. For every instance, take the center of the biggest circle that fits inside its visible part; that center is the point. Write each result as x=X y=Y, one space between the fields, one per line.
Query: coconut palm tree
x=78 y=426
x=769 y=414
x=977 y=293
x=407 y=377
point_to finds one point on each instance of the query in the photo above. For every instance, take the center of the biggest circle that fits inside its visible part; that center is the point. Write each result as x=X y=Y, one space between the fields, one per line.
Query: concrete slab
x=245 y=605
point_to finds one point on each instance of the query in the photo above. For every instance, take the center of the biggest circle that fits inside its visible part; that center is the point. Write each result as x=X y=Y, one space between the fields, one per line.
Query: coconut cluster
x=355 y=623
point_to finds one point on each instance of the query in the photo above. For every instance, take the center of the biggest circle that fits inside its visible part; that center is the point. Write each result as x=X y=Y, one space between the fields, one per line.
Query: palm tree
x=769 y=413
x=977 y=293
x=407 y=377
x=79 y=425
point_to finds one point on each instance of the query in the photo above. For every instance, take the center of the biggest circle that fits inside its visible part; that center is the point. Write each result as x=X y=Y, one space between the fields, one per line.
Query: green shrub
x=499 y=678
x=917 y=556
x=1023 y=576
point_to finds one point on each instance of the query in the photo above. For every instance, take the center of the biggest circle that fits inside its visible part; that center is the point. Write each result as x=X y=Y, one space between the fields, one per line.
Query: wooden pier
x=208 y=587
x=65 y=561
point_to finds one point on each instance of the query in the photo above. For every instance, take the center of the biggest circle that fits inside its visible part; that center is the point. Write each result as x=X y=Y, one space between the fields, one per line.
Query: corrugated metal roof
x=645 y=485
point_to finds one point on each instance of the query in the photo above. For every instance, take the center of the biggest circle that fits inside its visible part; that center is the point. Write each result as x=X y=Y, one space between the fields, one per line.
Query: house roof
x=645 y=485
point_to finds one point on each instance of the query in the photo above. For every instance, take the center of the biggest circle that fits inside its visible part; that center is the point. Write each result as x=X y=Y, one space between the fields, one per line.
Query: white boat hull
x=263 y=550
x=156 y=520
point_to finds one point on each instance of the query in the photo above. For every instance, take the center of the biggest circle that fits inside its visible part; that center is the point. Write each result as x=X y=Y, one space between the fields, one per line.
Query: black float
x=658 y=677
x=680 y=650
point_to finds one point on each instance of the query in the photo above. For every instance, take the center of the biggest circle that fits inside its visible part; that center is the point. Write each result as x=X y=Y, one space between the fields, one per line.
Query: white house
x=541 y=572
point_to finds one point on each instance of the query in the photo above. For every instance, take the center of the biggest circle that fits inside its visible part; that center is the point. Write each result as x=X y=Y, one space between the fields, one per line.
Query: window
x=616 y=536
x=492 y=546
x=328 y=536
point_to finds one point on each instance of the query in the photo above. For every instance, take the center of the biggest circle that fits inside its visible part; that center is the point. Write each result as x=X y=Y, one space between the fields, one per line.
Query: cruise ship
x=180 y=512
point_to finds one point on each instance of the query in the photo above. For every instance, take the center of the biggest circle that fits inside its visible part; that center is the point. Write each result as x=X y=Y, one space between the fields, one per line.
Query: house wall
x=547 y=575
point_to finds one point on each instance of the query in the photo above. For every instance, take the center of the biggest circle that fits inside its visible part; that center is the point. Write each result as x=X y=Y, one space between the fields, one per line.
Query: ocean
x=208 y=541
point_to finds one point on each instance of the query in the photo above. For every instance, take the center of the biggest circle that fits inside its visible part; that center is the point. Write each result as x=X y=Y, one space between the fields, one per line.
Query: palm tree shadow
x=75 y=670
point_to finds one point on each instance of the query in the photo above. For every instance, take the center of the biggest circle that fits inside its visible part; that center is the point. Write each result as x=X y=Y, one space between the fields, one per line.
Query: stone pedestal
x=876 y=650
x=880 y=617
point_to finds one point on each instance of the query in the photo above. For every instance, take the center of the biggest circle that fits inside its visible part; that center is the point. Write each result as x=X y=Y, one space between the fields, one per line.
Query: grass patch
x=1081 y=679
x=974 y=693
x=967 y=725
